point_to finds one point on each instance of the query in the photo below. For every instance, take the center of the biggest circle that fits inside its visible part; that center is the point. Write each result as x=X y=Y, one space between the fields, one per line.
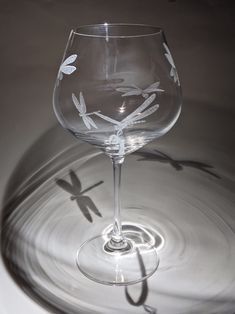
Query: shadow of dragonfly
x=85 y=203
x=177 y=164
x=144 y=290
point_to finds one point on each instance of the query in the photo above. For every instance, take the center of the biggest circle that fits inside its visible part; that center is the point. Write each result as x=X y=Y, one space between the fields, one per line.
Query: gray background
x=201 y=35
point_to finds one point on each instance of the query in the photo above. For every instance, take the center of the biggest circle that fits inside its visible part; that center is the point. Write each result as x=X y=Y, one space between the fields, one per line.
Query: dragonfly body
x=81 y=107
x=118 y=143
x=133 y=118
x=123 y=125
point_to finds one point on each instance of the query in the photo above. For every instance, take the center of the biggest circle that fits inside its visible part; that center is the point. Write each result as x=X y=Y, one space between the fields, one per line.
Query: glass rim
x=78 y=31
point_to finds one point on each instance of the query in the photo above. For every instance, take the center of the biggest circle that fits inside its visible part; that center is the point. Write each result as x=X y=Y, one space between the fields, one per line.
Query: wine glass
x=117 y=89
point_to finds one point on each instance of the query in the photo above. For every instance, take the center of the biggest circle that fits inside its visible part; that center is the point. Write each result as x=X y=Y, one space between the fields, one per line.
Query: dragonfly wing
x=86 y=122
x=75 y=181
x=166 y=48
x=153 y=90
x=172 y=72
x=84 y=209
x=91 y=205
x=145 y=104
x=76 y=102
x=107 y=118
x=70 y=59
x=152 y=86
x=124 y=89
x=66 y=186
x=82 y=103
x=91 y=122
x=170 y=60
x=129 y=91
x=146 y=113
x=68 y=69
x=132 y=93
x=196 y=164
x=168 y=55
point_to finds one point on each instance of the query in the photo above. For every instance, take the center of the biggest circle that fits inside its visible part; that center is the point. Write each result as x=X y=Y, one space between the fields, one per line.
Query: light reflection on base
x=121 y=267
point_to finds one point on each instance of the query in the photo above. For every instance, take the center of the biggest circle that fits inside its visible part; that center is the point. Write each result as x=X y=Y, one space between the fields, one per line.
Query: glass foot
x=133 y=262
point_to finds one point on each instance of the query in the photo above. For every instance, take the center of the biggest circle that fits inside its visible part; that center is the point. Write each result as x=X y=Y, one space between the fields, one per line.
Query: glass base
x=132 y=262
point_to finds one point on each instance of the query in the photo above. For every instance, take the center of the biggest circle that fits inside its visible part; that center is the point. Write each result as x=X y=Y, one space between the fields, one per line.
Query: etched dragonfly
x=133 y=118
x=173 y=72
x=135 y=90
x=81 y=107
x=75 y=189
x=66 y=68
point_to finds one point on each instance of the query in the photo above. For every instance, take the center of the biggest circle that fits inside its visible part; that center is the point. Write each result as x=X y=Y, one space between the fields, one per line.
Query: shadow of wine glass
x=84 y=204
x=49 y=158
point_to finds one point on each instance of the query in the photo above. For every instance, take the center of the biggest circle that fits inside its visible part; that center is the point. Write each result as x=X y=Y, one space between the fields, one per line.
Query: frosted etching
x=66 y=68
x=134 y=117
x=173 y=72
x=135 y=90
x=81 y=107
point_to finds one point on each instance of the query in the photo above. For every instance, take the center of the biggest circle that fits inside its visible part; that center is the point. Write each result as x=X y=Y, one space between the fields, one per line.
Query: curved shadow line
x=144 y=289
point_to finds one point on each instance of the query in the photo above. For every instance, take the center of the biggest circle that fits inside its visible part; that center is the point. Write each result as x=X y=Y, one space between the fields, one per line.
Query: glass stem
x=117 y=239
